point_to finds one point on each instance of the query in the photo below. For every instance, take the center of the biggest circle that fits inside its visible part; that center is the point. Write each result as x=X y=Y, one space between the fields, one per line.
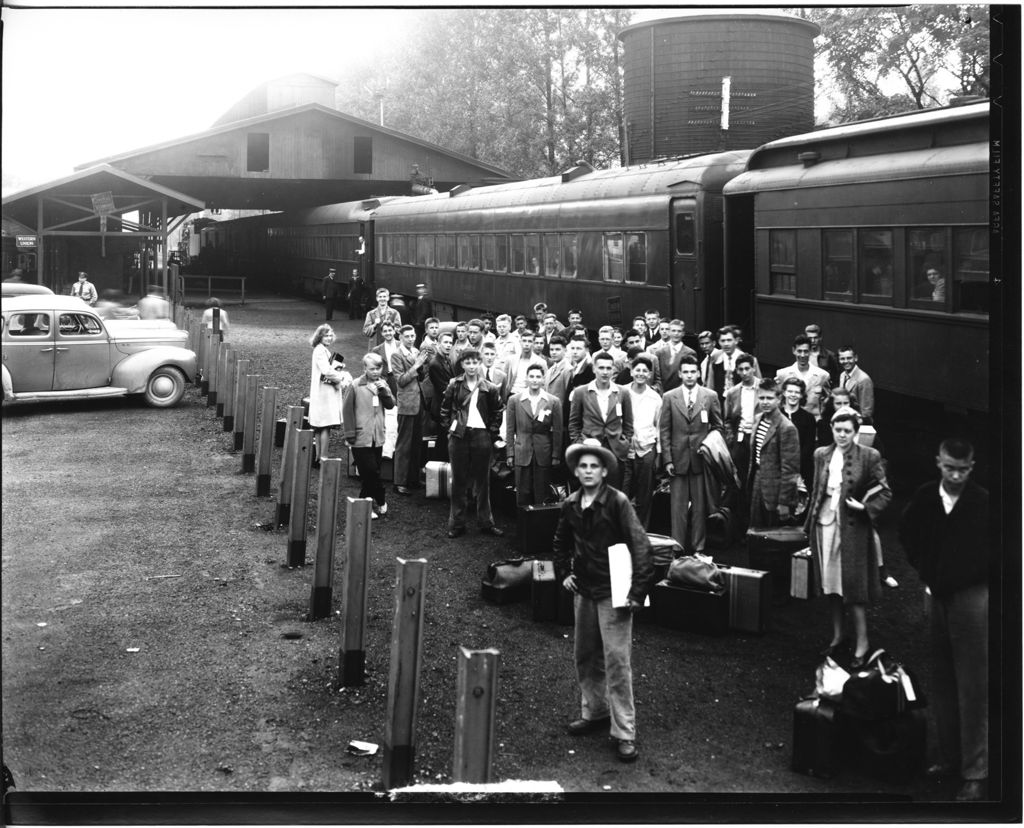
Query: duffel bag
x=880 y=690
x=696 y=572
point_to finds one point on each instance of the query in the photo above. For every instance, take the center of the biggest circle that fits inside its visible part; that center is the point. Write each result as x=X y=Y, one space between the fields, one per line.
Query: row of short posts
x=232 y=390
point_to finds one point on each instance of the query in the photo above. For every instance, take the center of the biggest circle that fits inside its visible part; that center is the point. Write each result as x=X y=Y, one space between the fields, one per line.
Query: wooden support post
x=352 y=657
x=404 y=676
x=326 y=525
x=230 y=379
x=303 y=459
x=252 y=383
x=266 y=444
x=241 y=372
x=211 y=397
x=476 y=694
x=223 y=382
x=206 y=341
x=284 y=490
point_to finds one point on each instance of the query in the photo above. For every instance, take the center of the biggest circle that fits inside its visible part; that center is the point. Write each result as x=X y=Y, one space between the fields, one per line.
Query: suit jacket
x=511 y=369
x=734 y=412
x=497 y=376
x=705 y=368
x=625 y=376
x=440 y=371
x=408 y=378
x=374 y=319
x=776 y=475
x=718 y=372
x=362 y=420
x=862 y=387
x=455 y=407
x=386 y=372
x=530 y=439
x=682 y=433
x=587 y=420
x=828 y=361
x=668 y=365
x=556 y=381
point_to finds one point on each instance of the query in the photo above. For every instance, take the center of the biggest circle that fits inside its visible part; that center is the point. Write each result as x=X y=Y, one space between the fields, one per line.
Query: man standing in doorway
x=329 y=292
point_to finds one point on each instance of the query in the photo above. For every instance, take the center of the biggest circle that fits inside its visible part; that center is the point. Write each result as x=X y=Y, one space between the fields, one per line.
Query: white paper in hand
x=620 y=568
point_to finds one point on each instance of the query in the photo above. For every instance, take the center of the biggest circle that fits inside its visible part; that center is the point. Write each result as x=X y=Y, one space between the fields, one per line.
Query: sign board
x=103 y=203
x=25 y=241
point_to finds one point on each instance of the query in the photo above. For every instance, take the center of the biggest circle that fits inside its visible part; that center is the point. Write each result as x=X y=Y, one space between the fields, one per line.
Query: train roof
x=668 y=178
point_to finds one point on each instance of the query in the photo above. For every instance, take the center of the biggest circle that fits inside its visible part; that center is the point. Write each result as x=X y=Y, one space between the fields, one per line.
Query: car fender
x=133 y=372
x=6 y=380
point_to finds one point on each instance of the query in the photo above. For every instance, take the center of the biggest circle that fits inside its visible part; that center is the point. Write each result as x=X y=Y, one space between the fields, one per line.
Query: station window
x=257 y=155
x=552 y=254
x=614 y=263
x=487 y=250
x=875 y=263
x=636 y=256
x=469 y=252
x=927 y=265
x=518 y=251
x=569 y=241
x=782 y=262
x=501 y=253
x=362 y=154
x=971 y=277
x=686 y=234
x=837 y=250
x=532 y=255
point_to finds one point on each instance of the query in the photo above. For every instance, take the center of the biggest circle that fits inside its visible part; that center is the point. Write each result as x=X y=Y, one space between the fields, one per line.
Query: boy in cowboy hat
x=593 y=517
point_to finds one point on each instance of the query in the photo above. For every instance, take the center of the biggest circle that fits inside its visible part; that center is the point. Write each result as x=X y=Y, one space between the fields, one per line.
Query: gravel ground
x=155 y=641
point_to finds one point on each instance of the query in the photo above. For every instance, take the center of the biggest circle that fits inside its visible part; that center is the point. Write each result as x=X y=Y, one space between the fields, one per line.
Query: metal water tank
x=679 y=71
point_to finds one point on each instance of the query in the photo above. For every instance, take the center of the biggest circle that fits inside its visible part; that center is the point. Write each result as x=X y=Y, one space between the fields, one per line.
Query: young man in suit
x=363 y=406
x=670 y=356
x=638 y=479
x=820 y=355
x=740 y=410
x=688 y=414
x=723 y=367
x=533 y=438
x=708 y=354
x=603 y=411
x=774 y=460
x=815 y=379
x=440 y=370
x=377 y=316
x=652 y=328
x=855 y=380
x=409 y=367
x=515 y=367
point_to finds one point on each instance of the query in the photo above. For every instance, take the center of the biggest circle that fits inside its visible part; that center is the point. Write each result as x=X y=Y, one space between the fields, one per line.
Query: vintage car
x=23 y=289
x=57 y=347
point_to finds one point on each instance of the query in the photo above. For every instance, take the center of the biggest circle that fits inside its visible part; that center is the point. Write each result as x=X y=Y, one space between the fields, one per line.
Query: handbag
x=880 y=690
x=696 y=572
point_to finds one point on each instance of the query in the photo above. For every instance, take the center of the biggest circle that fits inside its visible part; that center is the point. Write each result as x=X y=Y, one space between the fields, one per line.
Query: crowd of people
x=612 y=416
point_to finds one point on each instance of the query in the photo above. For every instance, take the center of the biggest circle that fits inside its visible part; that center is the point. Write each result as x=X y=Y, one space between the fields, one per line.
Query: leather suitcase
x=750 y=598
x=536 y=529
x=501 y=588
x=771 y=550
x=438 y=479
x=801 y=575
x=387 y=467
x=892 y=749
x=544 y=591
x=693 y=610
x=817 y=738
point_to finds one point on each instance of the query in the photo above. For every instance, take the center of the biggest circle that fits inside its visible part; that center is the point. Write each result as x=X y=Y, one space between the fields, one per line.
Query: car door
x=82 y=352
x=686 y=286
x=29 y=350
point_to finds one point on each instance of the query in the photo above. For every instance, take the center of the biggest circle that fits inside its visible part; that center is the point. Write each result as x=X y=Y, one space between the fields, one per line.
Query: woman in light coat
x=327 y=382
x=849 y=492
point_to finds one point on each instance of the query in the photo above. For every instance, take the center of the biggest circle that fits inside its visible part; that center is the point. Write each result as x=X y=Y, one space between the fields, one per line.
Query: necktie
x=689 y=403
x=846 y=380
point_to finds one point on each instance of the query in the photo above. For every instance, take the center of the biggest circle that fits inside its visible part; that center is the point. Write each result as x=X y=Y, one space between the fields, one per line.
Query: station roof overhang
x=76 y=204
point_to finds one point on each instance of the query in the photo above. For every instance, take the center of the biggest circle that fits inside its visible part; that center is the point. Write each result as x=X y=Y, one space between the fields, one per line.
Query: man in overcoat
x=774 y=460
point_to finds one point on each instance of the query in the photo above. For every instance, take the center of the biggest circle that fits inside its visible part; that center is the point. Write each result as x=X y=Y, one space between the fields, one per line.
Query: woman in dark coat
x=794 y=397
x=848 y=494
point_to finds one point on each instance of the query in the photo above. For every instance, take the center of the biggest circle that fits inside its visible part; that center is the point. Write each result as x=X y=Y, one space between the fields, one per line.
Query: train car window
x=501 y=253
x=379 y=246
x=686 y=234
x=875 y=262
x=451 y=252
x=614 y=262
x=552 y=254
x=569 y=241
x=469 y=252
x=518 y=244
x=971 y=277
x=257 y=152
x=782 y=263
x=487 y=245
x=533 y=254
x=927 y=265
x=400 y=248
x=837 y=250
x=636 y=255
x=425 y=251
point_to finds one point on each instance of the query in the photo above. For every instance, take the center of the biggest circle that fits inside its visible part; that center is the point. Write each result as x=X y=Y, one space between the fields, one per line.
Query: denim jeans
x=603 y=648
x=638 y=483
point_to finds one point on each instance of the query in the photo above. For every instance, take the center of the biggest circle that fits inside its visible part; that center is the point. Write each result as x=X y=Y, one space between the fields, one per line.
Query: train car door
x=685 y=284
x=369 y=254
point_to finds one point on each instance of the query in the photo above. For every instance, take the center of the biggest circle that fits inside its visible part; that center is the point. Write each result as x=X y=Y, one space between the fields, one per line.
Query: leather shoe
x=627 y=751
x=492 y=530
x=973 y=790
x=582 y=726
x=858 y=661
x=456 y=533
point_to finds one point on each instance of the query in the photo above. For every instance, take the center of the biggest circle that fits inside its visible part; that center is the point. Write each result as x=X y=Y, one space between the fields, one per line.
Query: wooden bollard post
x=223 y=383
x=303 y=458
x=218 y=334
x=284 y=490
x=404 y=677
x=204 y=359
x=195 y=341
x=476 y=694
x=229 y=387
x=241 y=372
x=252 y=384
x=352 y=657
x=326 y=523
x=214 y=358
x=266 y=443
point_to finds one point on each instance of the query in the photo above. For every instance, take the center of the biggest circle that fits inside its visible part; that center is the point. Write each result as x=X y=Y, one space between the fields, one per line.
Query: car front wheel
x=165 y=387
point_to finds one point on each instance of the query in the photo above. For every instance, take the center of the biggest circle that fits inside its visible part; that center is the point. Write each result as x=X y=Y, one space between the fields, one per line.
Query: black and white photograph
x=562 y=413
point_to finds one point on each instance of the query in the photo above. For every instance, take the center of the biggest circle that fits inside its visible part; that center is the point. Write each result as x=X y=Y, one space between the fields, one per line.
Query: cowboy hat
x=591 y=446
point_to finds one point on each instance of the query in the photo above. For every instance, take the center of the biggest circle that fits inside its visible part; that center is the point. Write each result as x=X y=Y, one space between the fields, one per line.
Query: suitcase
x=433 y=451
x=892 y=749
x=750 y=598
x=693 y=610
x=661 y=512
x=438 y=479
x=544 y=591
x=801 y=574
x=771 y=550
x=387 y=467
x=817 y=738
x=536 y=529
